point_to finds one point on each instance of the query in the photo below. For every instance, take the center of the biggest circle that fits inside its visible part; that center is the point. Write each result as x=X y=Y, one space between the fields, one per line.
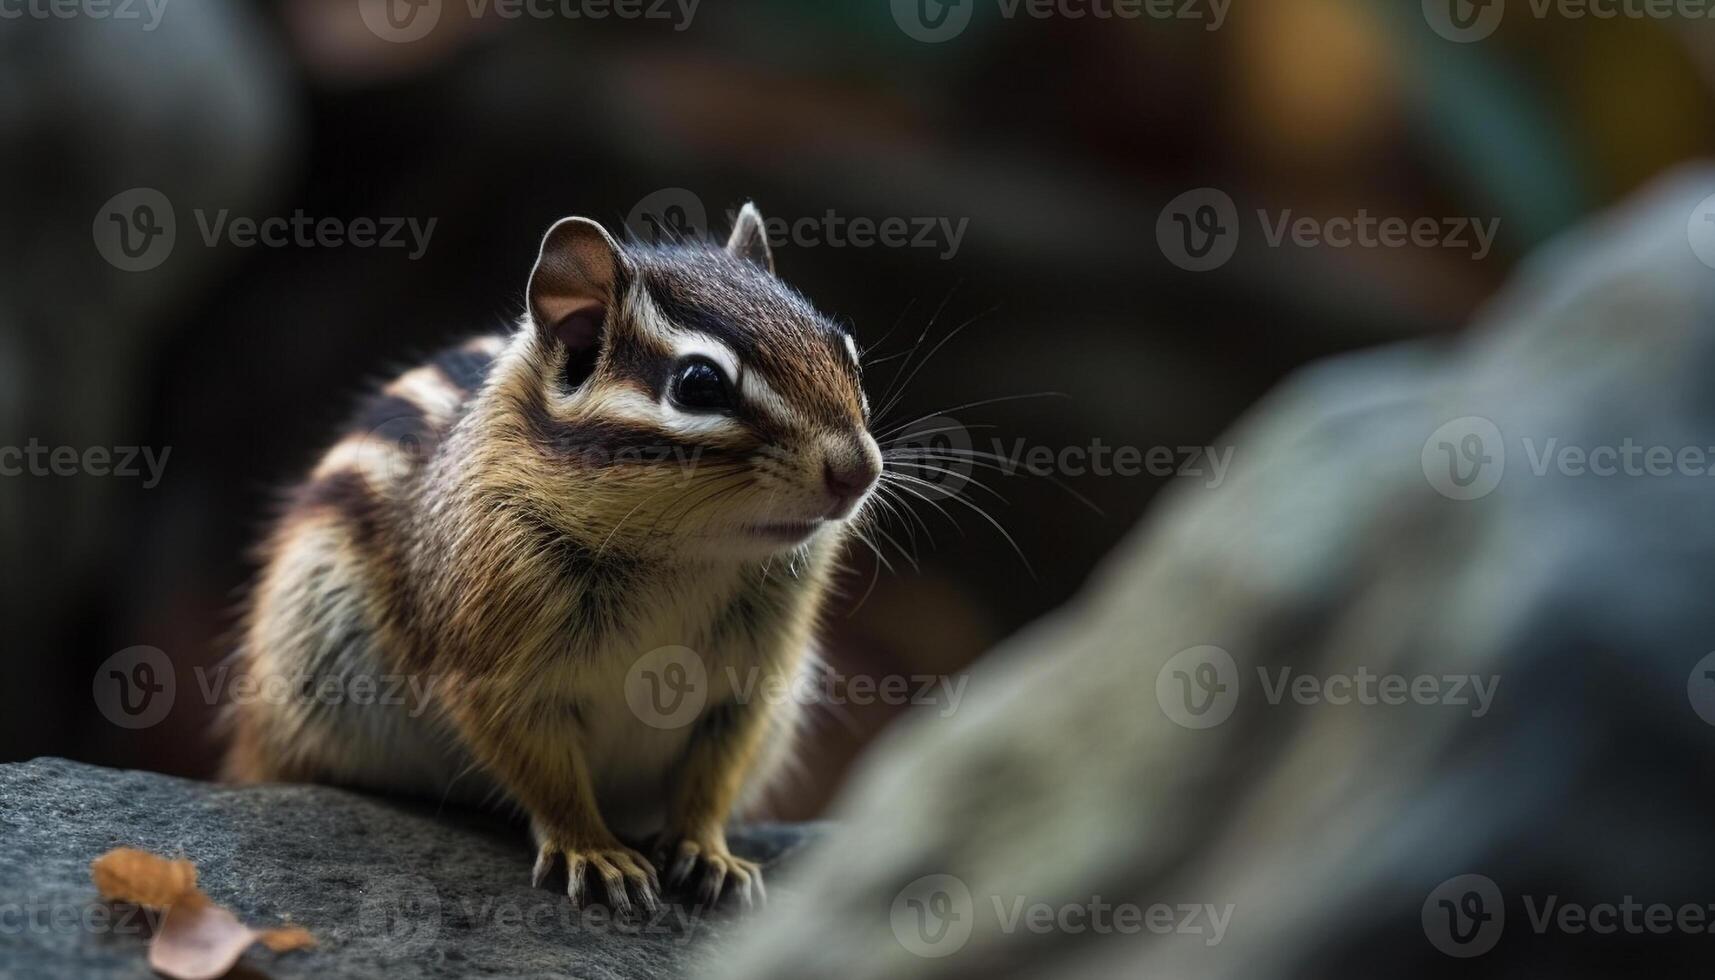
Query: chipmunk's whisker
x=931 y=355
x=990 y=461
x=909 y=557
x=888 y=397
x=888 y=432
x=893 y=509
x=960 y=499
x=955 y=427
x=899 y=321
x=876 y=551
x=973 y=481
x=871 y=519
x=906 y=458
x=895 y=481
x=873 y=361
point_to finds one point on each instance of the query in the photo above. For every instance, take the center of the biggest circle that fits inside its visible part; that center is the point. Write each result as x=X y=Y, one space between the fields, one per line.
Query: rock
x=389 y=888
x=1143 y=750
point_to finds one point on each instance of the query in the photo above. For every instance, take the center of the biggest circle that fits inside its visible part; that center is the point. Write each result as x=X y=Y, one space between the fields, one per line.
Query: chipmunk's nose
x=849 y=472
x=848 y=481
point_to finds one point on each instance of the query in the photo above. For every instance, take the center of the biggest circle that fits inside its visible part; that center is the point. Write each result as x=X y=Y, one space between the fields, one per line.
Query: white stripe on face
x=634 y=406
x=757 y=393
x=857 y=362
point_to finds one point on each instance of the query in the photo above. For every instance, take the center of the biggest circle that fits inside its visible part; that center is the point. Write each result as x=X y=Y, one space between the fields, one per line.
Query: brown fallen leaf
x=126 y=874
x=287 y=938
x=197 y=939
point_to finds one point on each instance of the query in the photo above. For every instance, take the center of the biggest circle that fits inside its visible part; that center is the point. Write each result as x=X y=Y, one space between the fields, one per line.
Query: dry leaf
x=199 y=943
x=198 y=940
x=286 y=939
x=126 y=874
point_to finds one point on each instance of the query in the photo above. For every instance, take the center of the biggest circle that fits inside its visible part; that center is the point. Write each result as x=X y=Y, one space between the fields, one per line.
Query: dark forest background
x=1058 y=140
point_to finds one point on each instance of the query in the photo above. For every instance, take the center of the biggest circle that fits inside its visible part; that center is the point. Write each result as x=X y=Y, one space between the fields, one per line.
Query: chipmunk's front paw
x=621 y=871
x=703 y=865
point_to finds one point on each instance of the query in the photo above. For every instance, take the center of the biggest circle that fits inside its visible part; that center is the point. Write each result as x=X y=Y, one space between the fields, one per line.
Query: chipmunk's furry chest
x=639 y=696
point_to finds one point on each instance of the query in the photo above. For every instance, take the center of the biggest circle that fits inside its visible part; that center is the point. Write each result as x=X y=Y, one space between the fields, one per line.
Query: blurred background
x=1041 y=152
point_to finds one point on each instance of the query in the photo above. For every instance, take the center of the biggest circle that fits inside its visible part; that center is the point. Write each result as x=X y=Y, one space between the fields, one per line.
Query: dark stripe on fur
x=641 y=364
x=605 y=443
x=347 y=494
x=386 y=414
x=464 y=369
x=682 y=311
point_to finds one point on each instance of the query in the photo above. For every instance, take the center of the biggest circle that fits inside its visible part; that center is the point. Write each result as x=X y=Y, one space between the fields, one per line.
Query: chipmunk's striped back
x=317 y=614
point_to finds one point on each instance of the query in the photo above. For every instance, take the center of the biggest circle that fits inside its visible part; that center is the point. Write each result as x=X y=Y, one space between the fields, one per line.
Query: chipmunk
x=667 y=451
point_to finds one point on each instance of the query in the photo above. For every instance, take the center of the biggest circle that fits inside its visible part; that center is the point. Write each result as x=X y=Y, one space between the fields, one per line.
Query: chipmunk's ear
x=578 y=277
x=749 y=239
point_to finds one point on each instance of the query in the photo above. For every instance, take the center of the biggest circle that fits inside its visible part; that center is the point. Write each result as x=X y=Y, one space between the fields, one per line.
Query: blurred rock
x=1142 y=747
x=388 y=888
x=172 y=107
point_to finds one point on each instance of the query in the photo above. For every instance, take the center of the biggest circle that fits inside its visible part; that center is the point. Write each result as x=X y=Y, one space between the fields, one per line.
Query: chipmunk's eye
x=699 y=386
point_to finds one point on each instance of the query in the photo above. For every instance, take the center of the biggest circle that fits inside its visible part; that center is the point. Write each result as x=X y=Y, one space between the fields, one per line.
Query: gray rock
x=389 y=888
x=1137 y=750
